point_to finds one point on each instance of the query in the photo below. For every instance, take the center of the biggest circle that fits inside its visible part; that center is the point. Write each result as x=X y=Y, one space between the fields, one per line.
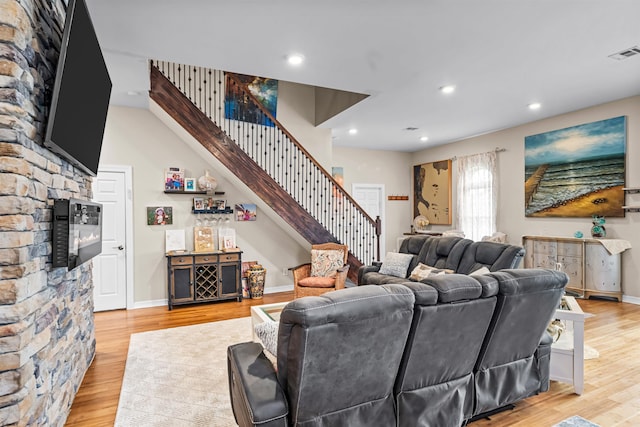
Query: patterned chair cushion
x=324 y=263
x=396 y=264
x=422 y=271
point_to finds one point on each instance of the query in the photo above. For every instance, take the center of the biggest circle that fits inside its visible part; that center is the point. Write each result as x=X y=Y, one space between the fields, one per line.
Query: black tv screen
x=81 y=93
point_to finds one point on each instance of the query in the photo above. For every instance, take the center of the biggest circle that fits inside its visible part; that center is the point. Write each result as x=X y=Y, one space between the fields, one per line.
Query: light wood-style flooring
x=612 y=381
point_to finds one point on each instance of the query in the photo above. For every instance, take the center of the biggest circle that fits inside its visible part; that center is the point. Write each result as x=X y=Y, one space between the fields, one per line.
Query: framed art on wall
x=577 y=171
x=246 y=212
x=159 y=215
x=189 y=184
x=174 y=179
x=432 y=192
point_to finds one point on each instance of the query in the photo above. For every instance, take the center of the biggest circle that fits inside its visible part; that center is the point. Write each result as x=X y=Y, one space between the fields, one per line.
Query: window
x=477 y=195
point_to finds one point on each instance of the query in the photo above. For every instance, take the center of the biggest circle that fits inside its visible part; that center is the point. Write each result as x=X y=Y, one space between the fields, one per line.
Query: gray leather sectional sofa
x=432 y=353
x=448 y=252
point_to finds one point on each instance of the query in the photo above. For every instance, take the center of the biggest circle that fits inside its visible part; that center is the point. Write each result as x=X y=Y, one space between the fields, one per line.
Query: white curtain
x=477 y=195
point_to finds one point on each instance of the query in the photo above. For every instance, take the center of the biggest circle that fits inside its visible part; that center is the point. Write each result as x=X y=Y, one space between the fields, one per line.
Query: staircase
x=258 y=150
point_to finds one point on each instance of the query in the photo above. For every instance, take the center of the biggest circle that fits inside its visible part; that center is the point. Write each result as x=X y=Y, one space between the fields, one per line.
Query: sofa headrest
x=361 y=302
x=444 y=245
x=529 y=280
x=454 y=287
x=490 y=285
x=424 y=294
x=495 y=256
x=446 y=252
x=413 y=244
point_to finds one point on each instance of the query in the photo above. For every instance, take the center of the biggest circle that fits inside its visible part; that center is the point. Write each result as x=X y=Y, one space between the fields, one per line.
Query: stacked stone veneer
x=46 y=314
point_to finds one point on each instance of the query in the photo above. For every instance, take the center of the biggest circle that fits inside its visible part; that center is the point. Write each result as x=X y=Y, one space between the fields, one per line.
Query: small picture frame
x=220 y=204
x=189 y=184
x=159 y=215
x=174 y=179
x=199 y=204
x=246 y=212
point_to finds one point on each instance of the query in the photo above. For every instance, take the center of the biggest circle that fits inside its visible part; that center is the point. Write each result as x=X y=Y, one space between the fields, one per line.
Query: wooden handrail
x=273 y=149
x=284 y=130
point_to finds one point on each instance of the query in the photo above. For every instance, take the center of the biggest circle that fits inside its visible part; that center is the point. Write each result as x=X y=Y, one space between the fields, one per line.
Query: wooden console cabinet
x=197 y=277
x=591 y=268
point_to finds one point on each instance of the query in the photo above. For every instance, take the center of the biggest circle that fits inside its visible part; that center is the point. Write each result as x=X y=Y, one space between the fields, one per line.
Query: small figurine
x=598 y=230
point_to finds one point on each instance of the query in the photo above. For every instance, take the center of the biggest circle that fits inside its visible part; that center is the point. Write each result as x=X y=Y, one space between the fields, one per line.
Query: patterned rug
x=178 y=377
x=576 y=421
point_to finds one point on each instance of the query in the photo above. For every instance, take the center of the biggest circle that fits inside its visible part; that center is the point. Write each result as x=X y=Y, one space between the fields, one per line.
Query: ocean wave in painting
x=567 y=181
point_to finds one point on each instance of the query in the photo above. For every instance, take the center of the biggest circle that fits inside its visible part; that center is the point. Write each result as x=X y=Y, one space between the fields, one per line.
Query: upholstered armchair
x=326 y=272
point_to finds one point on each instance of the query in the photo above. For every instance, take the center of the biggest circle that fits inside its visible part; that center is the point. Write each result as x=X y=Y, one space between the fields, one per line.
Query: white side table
x=567 y=354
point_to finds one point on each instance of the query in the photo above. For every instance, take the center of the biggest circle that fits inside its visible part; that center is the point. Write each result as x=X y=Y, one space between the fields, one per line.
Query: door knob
x=119 y=247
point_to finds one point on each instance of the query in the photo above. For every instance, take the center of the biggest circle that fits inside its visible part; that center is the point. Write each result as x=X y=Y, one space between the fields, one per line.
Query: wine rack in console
x=196 y=277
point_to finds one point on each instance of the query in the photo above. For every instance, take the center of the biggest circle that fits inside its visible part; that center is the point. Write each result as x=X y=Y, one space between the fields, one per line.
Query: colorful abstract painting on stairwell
x=239 y=106
x=577 y=171
x=432 y=191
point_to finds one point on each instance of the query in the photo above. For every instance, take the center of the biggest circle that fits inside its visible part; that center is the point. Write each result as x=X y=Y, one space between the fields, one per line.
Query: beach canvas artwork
x=577 y=171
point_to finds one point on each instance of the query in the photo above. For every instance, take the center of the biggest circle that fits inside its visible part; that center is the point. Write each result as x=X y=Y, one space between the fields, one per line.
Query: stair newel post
x=378 y=233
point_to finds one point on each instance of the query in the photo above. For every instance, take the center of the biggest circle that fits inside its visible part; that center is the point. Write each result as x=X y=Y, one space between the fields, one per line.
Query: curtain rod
x=495 y=150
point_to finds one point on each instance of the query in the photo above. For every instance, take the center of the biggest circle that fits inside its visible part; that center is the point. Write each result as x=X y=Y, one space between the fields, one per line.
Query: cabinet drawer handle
x=206 y=258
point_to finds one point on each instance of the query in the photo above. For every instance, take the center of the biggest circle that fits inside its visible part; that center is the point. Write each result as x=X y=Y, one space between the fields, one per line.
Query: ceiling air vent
x=626 y=53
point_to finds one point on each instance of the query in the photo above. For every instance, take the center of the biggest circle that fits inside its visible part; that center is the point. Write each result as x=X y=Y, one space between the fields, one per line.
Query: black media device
x=81 y=93
x=77 y=232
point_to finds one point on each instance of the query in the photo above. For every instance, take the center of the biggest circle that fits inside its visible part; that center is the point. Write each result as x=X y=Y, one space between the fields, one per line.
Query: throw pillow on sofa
x=422 y=271
x=325 y=263
x=396 y=264
x=480 y=272
x=267 y=332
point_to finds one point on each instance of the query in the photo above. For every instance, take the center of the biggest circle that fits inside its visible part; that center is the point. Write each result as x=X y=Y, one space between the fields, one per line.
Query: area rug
x=575 y=421
x=178 y=377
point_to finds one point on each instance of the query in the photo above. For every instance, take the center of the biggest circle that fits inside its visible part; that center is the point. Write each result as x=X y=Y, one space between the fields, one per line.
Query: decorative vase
x=256 y=275
x=207 y=183
x=598 y=230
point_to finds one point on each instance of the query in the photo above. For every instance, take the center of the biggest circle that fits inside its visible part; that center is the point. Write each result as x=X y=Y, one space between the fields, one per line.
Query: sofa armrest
x=256 y=396
x=367 y=269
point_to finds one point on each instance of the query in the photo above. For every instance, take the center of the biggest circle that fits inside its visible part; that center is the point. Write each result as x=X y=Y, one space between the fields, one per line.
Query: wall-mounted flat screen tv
x=77 y=232
x=81 y=93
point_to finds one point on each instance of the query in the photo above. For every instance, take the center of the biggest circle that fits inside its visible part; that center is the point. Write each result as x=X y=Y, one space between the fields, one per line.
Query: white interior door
x=110 y=268
x=371 y=198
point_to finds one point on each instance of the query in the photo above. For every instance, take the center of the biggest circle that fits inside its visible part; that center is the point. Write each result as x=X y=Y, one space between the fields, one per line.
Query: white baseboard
x=631 y=300
x=276 y=289
x=149 y=303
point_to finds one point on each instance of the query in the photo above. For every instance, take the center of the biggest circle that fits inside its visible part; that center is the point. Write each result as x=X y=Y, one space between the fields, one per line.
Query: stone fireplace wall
x=47 y=336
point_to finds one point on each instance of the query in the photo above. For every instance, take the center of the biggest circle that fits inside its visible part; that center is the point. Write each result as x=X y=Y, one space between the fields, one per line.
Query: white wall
x=138 y=138
x=296 y=111
x=511 y=219
x=391 y=168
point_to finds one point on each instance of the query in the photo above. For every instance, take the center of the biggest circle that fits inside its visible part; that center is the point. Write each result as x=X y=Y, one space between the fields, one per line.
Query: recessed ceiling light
x=535 y=106
x=295 y=59
x=424 y=138
x=353 y=131
x=448 y=89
